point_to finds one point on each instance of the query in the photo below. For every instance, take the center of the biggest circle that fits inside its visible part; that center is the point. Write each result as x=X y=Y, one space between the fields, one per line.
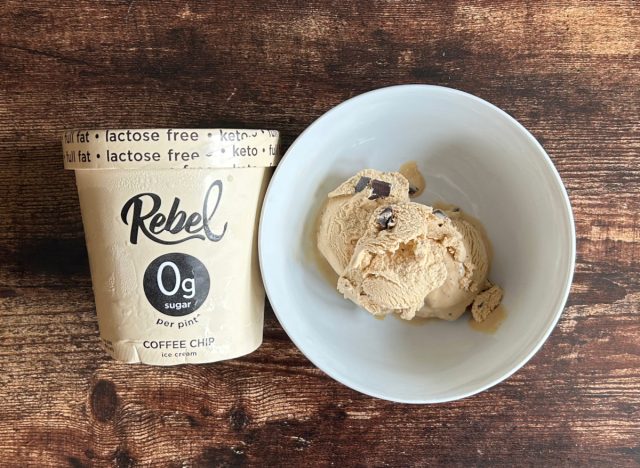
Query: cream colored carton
x=170 y=219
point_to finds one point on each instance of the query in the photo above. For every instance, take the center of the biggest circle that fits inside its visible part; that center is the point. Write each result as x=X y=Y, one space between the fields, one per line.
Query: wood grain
x=568 y=70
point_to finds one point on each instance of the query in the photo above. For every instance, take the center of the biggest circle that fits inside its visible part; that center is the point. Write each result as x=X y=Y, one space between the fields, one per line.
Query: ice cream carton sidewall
x=170 y=219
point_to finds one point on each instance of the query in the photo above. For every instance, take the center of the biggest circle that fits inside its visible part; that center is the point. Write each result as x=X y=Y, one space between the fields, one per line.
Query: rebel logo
x=144 y=214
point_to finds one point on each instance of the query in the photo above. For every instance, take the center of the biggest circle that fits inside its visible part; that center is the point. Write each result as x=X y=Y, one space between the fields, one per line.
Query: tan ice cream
x=451 y=299
x=347 y=209
x=401 y=258
x=396 y=256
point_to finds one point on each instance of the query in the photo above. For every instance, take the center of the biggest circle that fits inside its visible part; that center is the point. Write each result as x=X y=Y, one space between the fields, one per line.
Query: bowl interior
x=471 y=154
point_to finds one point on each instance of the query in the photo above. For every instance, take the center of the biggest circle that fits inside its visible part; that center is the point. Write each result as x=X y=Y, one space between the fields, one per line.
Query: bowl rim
x=567 y=211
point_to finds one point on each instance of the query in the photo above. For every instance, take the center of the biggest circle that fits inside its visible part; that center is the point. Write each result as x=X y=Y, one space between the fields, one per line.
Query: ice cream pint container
x=170 y=219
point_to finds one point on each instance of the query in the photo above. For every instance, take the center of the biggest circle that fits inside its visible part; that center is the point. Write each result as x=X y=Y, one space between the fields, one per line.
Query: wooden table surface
x=568 y=70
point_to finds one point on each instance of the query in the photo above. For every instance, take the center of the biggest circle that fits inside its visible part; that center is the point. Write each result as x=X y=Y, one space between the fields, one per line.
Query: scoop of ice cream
x=347 y=210
x=401 y=258
x=485 y=303
x=464 y=279
x=395 y=256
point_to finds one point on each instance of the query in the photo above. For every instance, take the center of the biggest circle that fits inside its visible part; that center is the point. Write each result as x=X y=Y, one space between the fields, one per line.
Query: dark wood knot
x=104 y=400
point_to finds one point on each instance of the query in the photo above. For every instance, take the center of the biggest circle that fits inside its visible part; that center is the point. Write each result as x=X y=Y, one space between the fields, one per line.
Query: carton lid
x=169 y=148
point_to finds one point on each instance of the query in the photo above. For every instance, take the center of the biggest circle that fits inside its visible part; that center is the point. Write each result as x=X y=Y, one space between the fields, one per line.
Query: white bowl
x=473 y=155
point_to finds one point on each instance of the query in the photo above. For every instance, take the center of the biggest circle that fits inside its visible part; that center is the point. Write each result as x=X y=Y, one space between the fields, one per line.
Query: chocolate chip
x=362 y=183
x=379 y=189
x=456 y=209
x=413 y=189
x=385 y=218
x=440 y=214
